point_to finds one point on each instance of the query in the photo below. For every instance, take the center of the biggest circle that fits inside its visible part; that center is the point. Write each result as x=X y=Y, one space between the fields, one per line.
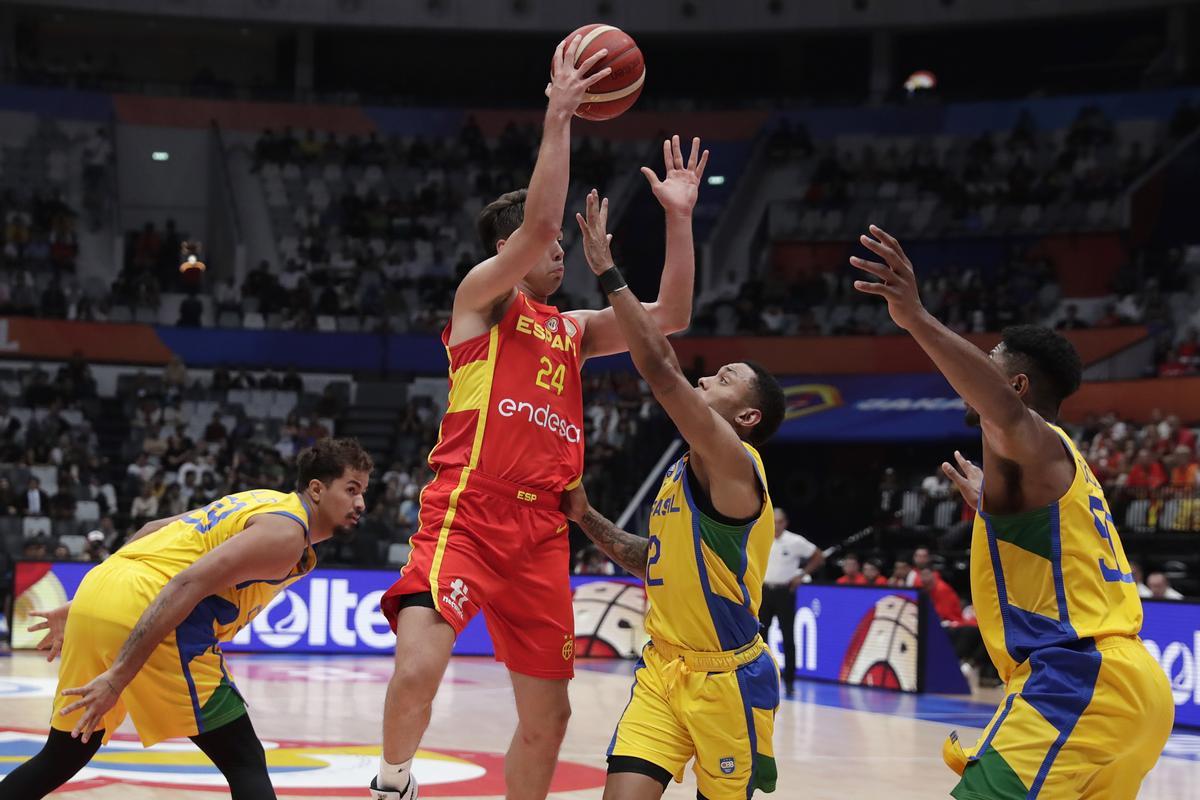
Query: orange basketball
x=612 y=96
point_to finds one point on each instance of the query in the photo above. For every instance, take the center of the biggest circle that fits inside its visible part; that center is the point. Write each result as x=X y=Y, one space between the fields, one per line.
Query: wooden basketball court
x=320 y=716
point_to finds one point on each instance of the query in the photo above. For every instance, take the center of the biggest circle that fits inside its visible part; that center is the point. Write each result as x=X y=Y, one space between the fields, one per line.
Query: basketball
x=613 y=96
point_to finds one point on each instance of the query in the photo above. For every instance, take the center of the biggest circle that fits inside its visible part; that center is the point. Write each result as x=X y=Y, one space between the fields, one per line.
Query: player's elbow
x=671 y=318
x=541 y=227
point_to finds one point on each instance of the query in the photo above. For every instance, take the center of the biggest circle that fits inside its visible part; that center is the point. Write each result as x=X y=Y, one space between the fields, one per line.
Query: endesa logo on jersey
x=542 y=417
x=1171 y=632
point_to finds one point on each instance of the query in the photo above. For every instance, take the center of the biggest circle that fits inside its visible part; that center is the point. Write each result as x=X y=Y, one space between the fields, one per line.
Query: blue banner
x=337 y=611
x=872 y=408
x=858 y=635
x=1171 y=632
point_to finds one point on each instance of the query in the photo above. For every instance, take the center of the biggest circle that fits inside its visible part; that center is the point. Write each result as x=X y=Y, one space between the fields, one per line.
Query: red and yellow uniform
x=491 y=534
x=1060 y=615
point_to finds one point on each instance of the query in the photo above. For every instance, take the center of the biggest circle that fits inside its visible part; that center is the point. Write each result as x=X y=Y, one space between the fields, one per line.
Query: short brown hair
x=500 y=218
x=328 y=459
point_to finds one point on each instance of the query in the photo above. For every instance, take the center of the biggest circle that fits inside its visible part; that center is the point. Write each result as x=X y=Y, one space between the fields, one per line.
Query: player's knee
x=414 y=680
x=549 y=729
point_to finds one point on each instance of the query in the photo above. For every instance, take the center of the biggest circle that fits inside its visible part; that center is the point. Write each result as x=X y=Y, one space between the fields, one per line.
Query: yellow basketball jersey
x=175 y=547
x=704 y=575
x=1052 y=575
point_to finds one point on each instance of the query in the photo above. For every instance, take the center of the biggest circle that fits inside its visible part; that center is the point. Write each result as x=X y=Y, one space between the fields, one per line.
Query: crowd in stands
x=974 y=179
x=399 y=212
x=826 y=304
x=175 y=441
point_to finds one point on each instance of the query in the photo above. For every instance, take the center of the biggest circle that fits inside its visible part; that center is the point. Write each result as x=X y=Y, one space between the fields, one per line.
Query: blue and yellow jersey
x=1053 y=575
x=704 y=574
x=176 y=546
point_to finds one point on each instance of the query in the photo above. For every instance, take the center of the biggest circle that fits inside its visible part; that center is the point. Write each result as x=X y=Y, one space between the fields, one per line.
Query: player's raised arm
x=493 y=279
x=672 y=310
x=714 y=443
x=268 y=548
x=1011 y=428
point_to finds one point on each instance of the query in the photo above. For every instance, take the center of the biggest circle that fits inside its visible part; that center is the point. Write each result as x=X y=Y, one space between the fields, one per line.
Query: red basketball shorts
x=489 y=545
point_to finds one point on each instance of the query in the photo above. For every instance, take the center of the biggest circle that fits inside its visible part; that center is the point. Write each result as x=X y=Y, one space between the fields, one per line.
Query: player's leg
x=787 y=622
x=1034 y=745
x=448 y=576
x=91 y=640
x=650 y=745
x=1132 y=693
x=424 y=641
x=234 y=748
x=637 y=785
x=532 y=625
x=543 y=710
x=60 y=758
x=731 y=719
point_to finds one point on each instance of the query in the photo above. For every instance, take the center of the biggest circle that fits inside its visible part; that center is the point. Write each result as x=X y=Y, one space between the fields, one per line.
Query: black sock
x=55 y=764
x=237 y=752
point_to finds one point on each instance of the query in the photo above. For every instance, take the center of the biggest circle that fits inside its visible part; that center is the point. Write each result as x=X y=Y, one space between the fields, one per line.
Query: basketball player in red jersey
x=492 y=537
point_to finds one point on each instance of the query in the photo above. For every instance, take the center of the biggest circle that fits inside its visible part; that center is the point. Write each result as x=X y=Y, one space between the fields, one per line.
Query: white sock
x=393 y=776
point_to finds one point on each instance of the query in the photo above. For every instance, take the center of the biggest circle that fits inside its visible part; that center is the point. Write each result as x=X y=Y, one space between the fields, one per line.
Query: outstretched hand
x=569 y=82
x=678 y=191
x=967 y=477
x=97 y=698
x=897 y=281
x=597 y=241
x=54 y=623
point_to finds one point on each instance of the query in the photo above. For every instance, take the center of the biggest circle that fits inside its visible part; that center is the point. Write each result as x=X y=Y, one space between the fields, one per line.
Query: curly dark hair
x=770 y=402
x=1048 y=358
x=328 y=459
x=500 y=218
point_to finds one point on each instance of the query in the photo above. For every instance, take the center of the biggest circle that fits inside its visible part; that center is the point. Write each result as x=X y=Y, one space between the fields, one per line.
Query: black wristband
x=611 y=280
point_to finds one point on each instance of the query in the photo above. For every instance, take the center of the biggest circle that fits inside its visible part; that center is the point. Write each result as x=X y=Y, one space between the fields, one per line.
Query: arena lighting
x=921 y=79
x=189 y=253
x=160 y=155
x=716 y=180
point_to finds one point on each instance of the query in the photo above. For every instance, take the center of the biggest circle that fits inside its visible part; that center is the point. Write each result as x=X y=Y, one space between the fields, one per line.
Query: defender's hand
x=677 y=193
x=569 y=83
x=54 y=622
x=597 y=242
x=898 y=282
x=575 y=503
x=967 y=477
x=98 y=697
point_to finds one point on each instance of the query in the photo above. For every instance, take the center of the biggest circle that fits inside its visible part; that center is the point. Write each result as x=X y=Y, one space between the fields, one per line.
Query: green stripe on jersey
x=1029 y=530
x=990 y=777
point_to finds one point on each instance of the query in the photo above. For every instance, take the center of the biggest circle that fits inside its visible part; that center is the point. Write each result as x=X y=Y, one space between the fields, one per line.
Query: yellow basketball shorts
x=182 y=690
x=723 y=719
x=1085 y=722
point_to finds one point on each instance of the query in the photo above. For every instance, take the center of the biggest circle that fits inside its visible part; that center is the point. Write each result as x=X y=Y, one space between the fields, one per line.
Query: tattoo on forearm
x=625 y=548
x=129 y=655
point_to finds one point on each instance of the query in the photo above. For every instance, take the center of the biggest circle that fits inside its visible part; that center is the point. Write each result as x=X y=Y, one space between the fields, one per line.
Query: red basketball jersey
x=516 y=400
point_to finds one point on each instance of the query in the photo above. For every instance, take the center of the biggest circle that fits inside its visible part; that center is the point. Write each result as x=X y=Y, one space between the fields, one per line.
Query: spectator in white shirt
x=1160 y=587
x=793 y=560
x=145 y=505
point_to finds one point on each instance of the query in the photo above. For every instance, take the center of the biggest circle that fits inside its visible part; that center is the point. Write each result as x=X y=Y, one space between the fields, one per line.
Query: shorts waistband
x=723 y=661
x=1115 y=640
x=502 y=489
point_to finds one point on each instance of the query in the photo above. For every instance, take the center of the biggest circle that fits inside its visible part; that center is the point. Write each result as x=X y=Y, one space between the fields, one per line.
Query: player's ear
x=749 y=417
x=500 y=244
x=1020 y=383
